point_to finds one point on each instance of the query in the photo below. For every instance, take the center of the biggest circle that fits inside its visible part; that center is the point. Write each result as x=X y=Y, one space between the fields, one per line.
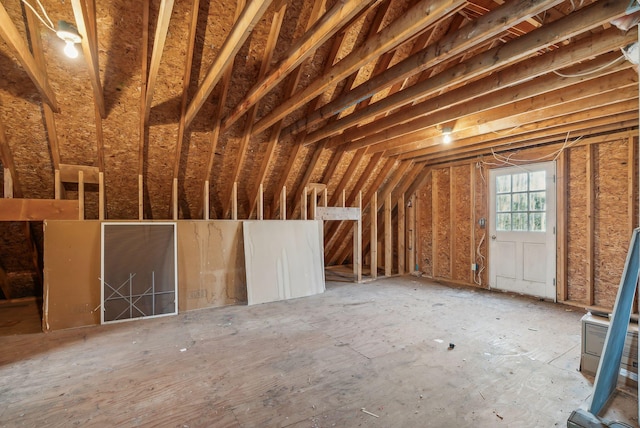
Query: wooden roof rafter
x=38 y=55
x=84 y=12
x=381 y=64
x=239 y=33
x=162 y=28
x=482 y=30
x=452 y=45
x=570 y=121
x=188 y=62
x=491 y=105
x=291 y=84
x=486 y=62
x=38 y=76
x=274 y=33
x=144 y=72
x=399 y=31
x=325 y=27
x=571 y=132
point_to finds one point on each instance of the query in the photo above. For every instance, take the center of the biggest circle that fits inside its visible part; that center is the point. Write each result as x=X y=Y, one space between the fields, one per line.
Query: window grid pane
x=521 y=202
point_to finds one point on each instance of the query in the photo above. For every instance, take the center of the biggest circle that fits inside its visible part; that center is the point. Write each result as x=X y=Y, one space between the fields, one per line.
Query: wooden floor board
x=312 y=362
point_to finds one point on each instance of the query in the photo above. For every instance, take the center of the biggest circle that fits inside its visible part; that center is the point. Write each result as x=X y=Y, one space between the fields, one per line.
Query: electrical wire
x=44 y=12
x=596 y=70
x=478 y=275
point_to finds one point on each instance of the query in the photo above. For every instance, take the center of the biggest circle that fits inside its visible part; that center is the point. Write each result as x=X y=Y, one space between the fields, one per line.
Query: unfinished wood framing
x=206 y=199
x=8 y=183
x=590 y=223
x=80 y=195
x=357 y=243
x=401 y=235
x=283 y=203
x=373 y=241
x=18 y=209
x=252 y=12
x=207 y=108
x=388 y=233
x=561 y=229
x=411 y=235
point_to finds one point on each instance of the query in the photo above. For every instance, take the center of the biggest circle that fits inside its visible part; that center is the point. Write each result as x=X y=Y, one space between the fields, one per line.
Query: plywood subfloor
x=312 y=362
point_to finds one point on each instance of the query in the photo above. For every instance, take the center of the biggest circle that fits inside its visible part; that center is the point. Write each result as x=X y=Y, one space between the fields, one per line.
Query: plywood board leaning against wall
x=71 y=274
x=210 y=269
x=211 y=261
x=283 y=259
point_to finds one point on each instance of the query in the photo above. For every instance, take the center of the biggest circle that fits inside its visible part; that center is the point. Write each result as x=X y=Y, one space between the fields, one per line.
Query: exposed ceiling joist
x=272 y=38
x=274 y=137
x=509 y=53
x=399 y=31
x=537 y=94
x=332 y=21
x=86 y=23
x=486 y=27
x=162 y=27
x=225 y=83
x=539 y=132
x=240 y=32
x=38 y=76
x=38 y=56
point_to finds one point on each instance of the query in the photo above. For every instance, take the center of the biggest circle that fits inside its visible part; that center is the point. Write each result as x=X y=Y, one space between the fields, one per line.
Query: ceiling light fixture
x=446 y=132
x=66 y=31
x=69 y=34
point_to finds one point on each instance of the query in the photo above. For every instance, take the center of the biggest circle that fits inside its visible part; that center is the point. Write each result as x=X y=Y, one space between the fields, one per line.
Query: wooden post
x=412 y=234
x=260 y=203
x=303 y=204
x=324 y=200
x=590 y=225
x=283 y=203
x=357 y=243
x=373 y=242
x=388 y=248
x=175 y=199
x=401 y=237
x=205 y=200
x=234 y=201
x=452 y=227
x=80 y=195
x=631 y=175
x=434 y=223
x=101 y=196
x=561 y=228
x=140 y=197
x=8 y=183
x=474 y=222
x=343 y=199
x=57 y=191
x=314 y=202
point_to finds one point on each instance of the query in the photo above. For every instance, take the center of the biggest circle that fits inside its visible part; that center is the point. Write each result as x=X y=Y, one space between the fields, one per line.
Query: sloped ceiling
x=352 y=94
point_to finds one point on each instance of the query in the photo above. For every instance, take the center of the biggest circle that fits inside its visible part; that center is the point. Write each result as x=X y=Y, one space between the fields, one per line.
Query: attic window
x=521 y=202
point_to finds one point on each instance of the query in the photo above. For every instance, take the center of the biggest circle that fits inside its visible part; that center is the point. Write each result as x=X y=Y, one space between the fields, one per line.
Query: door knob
x=493 y=236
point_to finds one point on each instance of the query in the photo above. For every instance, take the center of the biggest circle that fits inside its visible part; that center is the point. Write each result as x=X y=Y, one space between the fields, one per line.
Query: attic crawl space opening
x=139 y=274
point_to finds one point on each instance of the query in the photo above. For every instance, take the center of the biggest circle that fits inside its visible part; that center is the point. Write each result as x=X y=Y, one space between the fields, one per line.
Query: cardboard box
x=594 y=332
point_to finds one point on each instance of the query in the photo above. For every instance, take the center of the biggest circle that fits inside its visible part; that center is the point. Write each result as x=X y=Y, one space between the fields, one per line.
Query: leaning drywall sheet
x=211 y=264
x=283 y=259
x=71 y=274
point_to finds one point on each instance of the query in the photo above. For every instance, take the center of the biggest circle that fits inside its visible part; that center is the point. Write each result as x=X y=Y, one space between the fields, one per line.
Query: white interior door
x=522 y=224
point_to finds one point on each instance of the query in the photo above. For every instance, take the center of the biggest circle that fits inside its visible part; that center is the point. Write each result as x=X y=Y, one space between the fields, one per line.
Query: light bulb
x=70 y=49
x=446 y=134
